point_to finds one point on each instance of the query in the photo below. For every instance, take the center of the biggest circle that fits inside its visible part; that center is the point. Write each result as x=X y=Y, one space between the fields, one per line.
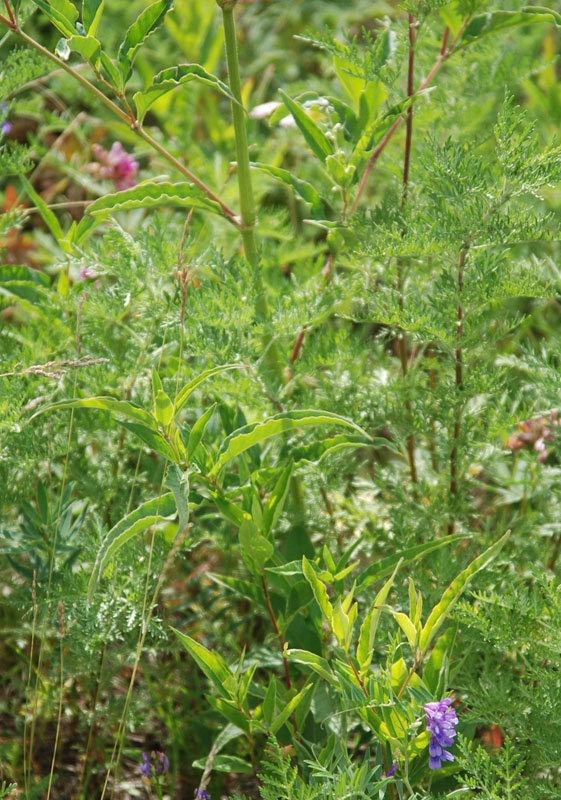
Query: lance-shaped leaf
x=315 y=662
x=302 y=189
x=212 y=664
x=152 y=438
x=318 y=588
x=147 y=22
x=112 y=73
x=225 y=763
x=242 y=439
x=453 y=592
x=170 y=78
x=62 y=14
x=314 y=136
x=496 y=21
x=407 y=627
x=290 y=707
x=47 y=215
x=197 y=431
x=316 y=452
x=152 y=195
x=433 y=667
x=275 y=501
x=147 y=514
x=384 y=567
x=91 y=14
x=186 y=392
x=370 y=624
x=178 y=482
x=119 y=408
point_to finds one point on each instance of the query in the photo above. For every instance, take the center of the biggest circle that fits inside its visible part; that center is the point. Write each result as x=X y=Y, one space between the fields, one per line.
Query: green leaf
x=88 y=47
x=370 y=623
x=269 y=702
x=197 y=431
x=314 y=136
x=315 y=662
x=289 y=708
x=256 y=548
x=178 y=482
x=115 y=407
x=304 y=190
x=384 y=567
x=452 y=17
x=185 y=393
x=152 y=438
x=224 y=763
x=145 y=516
x=275 y=502
x=112 y=73
x=169 y=79
x=91 y=14
x=443 y=647
x=407 y=627
x=62 y=14
x=47 y=215
x=152 y=195
x=316 y=452
x=318 y=588
x=249 y=435
x=495 y=21
x=147 y=22
x=21 y=273
x=212 y=664
x=442 y=609
x=163 y=408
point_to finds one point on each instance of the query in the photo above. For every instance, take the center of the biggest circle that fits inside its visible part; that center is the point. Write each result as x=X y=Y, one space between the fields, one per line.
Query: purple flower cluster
x=158 y=760
x=201 y=794
x=441 y=721
x=117 y=165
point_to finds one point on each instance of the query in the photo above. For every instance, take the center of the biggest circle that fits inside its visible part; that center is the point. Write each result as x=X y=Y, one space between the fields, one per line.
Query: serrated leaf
x=171 y=78
x=91 y=14
x=185 y=393
x=302 y=189
x=496 y=21
x=146 y=23
x=152 y=195
x=453 y=592
x=120 y=408
x=249 y=435
x=88 y=47
x=145 y=516
x=314 y=136
x=62 y=14
x=212 y=664
x=318 y=588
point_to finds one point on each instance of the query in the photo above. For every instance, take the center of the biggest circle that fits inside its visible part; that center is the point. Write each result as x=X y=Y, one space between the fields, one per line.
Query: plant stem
x=245 y=186
x=61 y=692
x=277 y=631
x=459 y=386
x=443 y=55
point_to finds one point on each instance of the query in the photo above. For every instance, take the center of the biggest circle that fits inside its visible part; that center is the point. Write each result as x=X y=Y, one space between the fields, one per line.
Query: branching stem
x=277 y=630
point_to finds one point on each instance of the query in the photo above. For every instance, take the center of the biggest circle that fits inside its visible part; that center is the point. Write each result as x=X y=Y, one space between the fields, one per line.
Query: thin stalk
x=459 y=386
x=432 y=385
x=277 y=631
x=245 y=185
x=442 y=57
x=93 y=722
x=61 y=692
x=27 y=767
x=128 y=118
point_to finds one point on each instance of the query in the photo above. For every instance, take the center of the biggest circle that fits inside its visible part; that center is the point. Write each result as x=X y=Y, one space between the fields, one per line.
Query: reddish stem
x=442 y=56
x=298 y=344
x=10 y=14
x=277 y=631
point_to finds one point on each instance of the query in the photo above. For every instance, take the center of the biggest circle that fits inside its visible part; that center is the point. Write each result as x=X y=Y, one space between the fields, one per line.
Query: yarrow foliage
x=441 y=722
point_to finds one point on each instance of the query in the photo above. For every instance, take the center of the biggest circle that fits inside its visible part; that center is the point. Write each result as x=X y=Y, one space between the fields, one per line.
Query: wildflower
x=145 y=766
x=5 y=126
x=441 y=721
x=201 y=794
x=162 y=762
x=392 y=770
x=116 y=165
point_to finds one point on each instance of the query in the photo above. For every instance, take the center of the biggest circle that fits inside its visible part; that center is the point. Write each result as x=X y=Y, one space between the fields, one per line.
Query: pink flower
x=117 y=165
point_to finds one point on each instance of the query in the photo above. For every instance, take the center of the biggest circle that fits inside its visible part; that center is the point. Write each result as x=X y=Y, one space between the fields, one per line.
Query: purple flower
x=117 y=165
x=441 y=721
x=162 y=762
x=392 y=770
x=3 y=106
x=201 y=794
x=145 y=766
x=6 y=127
